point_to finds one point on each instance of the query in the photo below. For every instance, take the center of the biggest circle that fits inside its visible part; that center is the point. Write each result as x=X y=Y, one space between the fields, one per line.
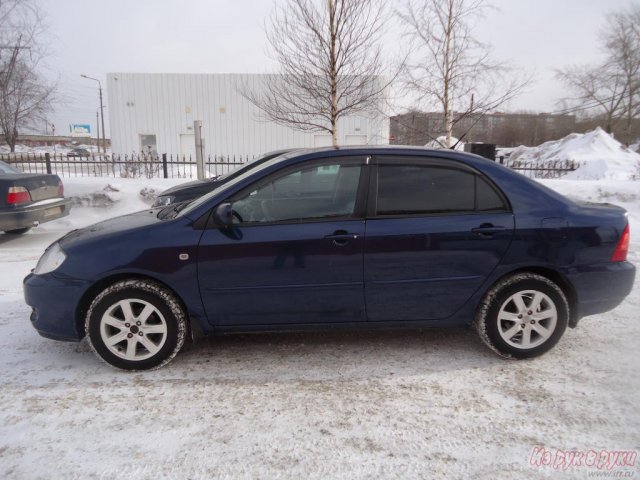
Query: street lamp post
x=104 y=140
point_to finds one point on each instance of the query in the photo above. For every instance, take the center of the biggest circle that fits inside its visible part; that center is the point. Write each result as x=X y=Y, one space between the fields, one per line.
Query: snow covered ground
x=429 y=404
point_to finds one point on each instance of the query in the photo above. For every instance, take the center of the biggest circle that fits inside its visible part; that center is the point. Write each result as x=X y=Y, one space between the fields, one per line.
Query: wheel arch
x=95 y=289
x=556 y=277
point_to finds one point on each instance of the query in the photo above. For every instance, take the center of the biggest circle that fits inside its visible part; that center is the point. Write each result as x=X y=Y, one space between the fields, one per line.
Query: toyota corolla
x=355 y=238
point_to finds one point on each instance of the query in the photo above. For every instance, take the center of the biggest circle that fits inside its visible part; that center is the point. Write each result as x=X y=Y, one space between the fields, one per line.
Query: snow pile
x=600 y=156
x=57 y=149
x=96 y=199
x=440 y=143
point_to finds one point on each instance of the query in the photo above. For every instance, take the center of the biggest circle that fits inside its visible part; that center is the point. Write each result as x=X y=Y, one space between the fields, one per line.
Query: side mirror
x=223 y=214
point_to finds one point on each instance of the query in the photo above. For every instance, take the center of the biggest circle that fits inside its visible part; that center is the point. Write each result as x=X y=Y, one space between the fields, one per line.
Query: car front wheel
x=136 y=325
x=522 y=316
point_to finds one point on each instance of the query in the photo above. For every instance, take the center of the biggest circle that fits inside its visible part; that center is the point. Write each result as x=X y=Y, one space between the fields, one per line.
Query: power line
x=593 y=104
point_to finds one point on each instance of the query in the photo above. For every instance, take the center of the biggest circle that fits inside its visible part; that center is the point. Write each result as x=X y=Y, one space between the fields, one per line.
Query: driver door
x=294 y=254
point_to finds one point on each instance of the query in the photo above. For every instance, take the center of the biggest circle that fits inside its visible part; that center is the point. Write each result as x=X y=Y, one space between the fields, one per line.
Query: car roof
x=442 y=153
x=446 y=154
x=370 y=148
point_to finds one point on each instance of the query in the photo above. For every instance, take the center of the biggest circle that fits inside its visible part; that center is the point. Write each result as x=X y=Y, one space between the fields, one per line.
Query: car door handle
x=487 y=230
x=341 y=237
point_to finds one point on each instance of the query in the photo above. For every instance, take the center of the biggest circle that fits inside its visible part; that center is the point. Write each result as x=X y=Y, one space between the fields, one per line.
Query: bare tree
x=448 y=67
x=24 y=99
x=610 y=90
x=621 y=37
x=329 y=63
x=25 y=95
x=600 y=89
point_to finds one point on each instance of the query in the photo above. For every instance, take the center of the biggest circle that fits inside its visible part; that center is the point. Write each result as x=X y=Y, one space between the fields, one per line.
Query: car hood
x=113 y=227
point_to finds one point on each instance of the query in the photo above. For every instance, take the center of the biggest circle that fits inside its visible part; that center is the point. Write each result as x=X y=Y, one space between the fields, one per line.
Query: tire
x=522 y=316
x=18 y=231
x=136 y=325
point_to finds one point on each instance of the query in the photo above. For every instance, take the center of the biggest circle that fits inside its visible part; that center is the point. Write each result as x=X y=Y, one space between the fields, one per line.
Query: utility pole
x=98 y=133
x=104 y=140
x=197 y=127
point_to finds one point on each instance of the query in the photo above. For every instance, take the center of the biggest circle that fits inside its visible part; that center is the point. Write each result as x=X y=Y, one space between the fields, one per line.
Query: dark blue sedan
x=355 y=238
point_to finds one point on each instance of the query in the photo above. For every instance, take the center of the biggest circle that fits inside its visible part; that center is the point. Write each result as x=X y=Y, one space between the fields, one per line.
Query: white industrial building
x=155 y=112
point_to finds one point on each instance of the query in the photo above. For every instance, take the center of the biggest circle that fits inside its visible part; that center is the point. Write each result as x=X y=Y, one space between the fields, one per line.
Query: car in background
x=351 y=238
x=78 y=152
x=28 y=199
x=189 y=191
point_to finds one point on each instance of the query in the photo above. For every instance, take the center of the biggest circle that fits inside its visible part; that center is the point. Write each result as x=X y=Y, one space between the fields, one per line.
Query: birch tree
x=447 y=67
x=329 y=63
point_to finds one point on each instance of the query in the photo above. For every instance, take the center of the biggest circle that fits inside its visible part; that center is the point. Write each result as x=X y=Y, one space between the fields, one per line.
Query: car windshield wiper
x=171 y=211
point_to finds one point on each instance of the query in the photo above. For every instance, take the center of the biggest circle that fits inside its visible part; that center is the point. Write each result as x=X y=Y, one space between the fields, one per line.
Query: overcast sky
x=227 y=36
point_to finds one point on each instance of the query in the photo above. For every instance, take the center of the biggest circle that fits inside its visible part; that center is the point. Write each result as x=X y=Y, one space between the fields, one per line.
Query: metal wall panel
x=166 y=105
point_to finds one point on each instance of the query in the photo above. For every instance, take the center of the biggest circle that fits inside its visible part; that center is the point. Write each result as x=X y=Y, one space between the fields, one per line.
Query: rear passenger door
x=435 y=230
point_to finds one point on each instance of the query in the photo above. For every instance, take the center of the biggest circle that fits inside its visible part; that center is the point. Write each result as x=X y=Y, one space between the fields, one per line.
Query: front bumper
x=54 y=301
x=40 y=212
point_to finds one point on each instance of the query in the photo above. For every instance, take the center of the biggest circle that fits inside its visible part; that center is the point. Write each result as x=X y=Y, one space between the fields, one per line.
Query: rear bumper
x=54 y=302
x=600 y=288
x=30 y=215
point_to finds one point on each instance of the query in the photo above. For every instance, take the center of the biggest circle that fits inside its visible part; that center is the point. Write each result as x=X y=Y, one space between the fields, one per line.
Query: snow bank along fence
x=184 y=166
x=124 y=166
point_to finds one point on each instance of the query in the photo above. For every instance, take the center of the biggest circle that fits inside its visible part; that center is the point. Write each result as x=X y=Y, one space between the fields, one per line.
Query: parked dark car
x=28 y=199
x=189 y=191
x=78 y=152
x=354 y=238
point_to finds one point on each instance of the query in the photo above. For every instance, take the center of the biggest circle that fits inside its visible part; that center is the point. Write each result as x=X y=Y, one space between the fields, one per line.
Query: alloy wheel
x=527 y=319
x=133 y=329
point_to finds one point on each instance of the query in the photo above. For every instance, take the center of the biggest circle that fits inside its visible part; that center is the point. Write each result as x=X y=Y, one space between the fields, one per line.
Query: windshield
x=250 y=165
x=5 y=168
x=229 y=184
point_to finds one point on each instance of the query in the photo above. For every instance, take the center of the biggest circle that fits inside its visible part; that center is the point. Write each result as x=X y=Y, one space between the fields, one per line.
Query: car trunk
x=40 y=187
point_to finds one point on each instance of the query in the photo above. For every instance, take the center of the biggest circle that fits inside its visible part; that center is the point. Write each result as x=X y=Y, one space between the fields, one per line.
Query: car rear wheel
x=522 y=316
x=136 y=325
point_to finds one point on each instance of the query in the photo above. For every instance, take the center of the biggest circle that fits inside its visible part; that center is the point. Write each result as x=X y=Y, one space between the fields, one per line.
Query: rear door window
x=426 y=189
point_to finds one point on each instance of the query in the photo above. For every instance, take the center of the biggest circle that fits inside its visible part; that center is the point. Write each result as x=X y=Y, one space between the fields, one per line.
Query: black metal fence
x=124 y=166
x=541 y=169
x=184 y=166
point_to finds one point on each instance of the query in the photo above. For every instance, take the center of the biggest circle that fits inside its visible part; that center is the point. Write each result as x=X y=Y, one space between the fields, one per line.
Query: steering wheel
x=236 y=215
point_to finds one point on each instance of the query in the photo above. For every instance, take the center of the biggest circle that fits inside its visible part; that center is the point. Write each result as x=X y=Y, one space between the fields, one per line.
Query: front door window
x=319 y=192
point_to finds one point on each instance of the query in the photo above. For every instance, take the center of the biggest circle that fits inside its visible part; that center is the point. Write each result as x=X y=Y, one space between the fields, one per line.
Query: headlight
x=50 y=260
x=163 y=200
